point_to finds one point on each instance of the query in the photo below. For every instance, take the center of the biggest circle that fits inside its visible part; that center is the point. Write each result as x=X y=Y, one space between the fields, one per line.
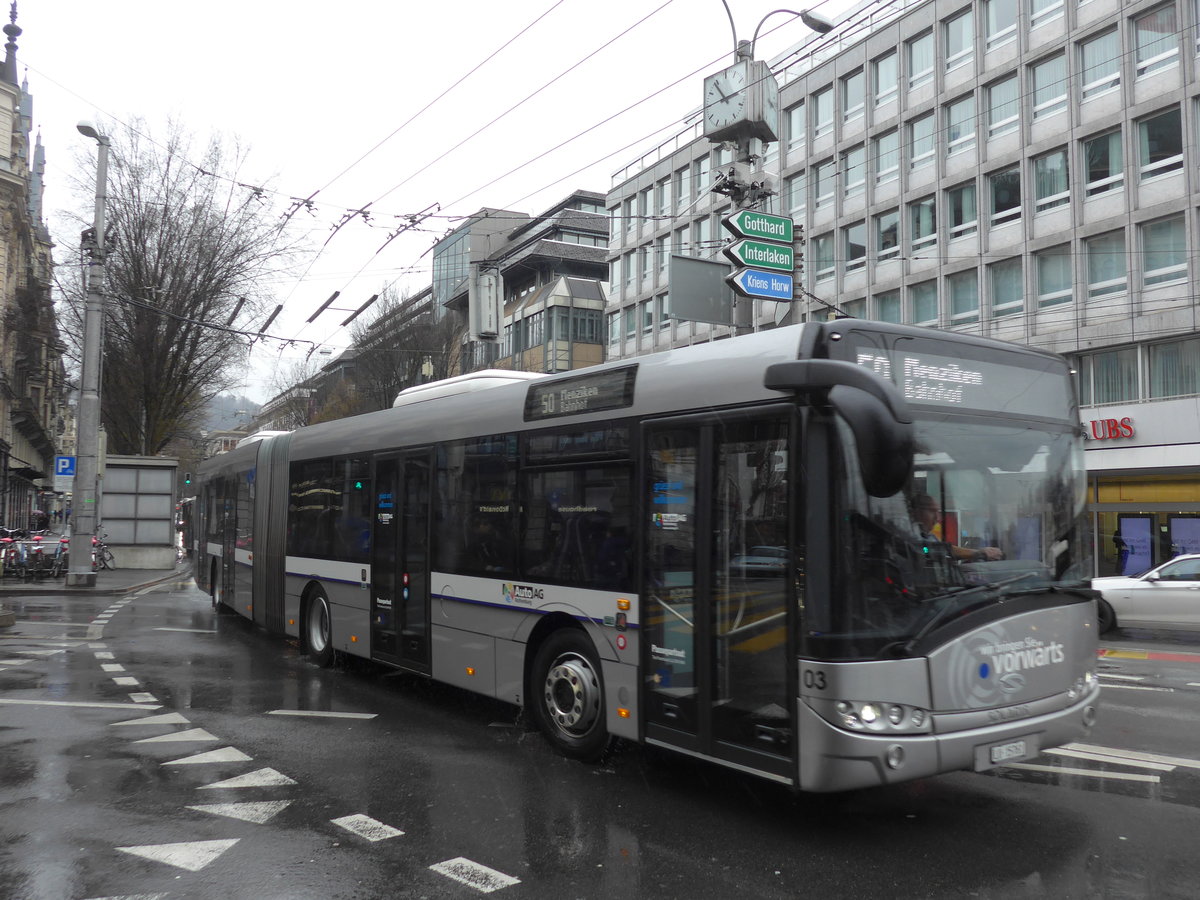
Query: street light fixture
x=86 y=502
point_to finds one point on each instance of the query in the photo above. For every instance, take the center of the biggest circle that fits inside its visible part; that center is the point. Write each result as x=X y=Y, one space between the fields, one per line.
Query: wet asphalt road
x=144 y=753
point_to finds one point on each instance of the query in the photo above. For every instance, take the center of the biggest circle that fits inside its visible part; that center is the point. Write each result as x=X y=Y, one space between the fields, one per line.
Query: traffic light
x=187 y=477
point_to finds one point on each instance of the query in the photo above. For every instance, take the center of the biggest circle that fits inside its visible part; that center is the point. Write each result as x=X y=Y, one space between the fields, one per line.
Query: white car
x=1166 y=596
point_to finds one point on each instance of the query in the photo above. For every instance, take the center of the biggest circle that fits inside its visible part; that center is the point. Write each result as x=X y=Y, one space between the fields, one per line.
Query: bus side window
x=476 y=509
x=575 y=526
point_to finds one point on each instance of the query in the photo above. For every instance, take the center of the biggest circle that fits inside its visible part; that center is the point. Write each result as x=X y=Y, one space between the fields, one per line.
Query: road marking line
x=225 y=754
x=188 y=630
x=474 y=875
x=1108 y=758
x=261 y=778
x=193 y=734
x=104 y=654
x=321 y=713
x=258 y=812
x=1139 y=687
x=112 y=667
x=1090 y=773
x=366 y=827
x=159 y=896
x=1122 y=677
x=1135 y=754
x=97 y=646
x=125 y=680
x=73 y=703
x=142 y=697
x=173 y=718
x=39 y=652
x=191 y=855
x=15 y=662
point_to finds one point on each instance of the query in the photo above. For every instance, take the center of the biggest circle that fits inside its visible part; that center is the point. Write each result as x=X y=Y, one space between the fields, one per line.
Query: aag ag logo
x=521 y=594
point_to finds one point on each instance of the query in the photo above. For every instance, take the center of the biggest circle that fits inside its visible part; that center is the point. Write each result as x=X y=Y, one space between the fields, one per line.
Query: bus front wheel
x=567 y=693
x=318 y=629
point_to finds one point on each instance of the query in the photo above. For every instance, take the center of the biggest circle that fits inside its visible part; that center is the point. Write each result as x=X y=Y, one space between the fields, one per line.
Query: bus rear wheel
x=1107 y=617
x=318 y=629
x=567 y=691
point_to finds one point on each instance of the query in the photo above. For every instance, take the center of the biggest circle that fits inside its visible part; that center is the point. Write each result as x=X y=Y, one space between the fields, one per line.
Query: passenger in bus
x=927 y=513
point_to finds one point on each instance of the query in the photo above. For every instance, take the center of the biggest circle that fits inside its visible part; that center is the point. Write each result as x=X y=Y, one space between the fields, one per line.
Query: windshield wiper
x=944 y=613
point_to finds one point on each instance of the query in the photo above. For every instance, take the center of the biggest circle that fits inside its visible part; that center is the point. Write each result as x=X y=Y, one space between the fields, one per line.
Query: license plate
x=1012 y=750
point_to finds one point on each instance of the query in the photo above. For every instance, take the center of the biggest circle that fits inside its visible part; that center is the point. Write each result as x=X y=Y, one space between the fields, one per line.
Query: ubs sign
x=1109 y=429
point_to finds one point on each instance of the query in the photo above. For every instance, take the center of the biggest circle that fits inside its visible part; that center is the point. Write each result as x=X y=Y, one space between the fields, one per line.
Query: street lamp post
x=86 y=503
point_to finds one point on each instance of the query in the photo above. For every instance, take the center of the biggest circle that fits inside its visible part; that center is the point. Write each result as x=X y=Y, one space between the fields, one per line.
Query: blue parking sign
x=64 y=465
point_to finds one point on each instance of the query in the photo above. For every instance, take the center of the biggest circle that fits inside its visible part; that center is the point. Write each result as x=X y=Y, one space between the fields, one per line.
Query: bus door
x=718 y=576
x=228 y=574
x=400 y=560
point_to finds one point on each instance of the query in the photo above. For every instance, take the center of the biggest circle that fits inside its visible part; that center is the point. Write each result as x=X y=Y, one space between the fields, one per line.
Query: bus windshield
x=993 y=510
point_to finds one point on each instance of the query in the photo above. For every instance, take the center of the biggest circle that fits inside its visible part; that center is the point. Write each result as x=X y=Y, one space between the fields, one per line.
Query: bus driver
x=927 y=512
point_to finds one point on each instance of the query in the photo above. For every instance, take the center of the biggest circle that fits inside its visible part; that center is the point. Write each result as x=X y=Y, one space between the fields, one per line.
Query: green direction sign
x=745 y=223
x=762 y=255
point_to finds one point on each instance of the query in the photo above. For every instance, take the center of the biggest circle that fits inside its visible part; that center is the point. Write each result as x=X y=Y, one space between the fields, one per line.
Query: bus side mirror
x=877 y=414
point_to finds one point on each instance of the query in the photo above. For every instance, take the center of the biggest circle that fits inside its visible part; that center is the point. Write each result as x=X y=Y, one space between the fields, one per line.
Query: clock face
x=725 y=98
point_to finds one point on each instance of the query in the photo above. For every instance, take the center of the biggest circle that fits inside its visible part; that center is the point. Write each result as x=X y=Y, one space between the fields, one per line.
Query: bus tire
x=567 y=692
x=1106 y=615
x=318 y=629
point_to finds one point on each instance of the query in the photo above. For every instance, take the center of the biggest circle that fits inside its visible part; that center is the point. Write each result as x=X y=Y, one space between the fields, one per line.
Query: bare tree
x=407 y=343
x=187 y=248
x=292 y=405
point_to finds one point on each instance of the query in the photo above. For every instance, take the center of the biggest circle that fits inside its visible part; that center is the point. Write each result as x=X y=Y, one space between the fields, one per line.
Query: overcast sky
x=325 y=95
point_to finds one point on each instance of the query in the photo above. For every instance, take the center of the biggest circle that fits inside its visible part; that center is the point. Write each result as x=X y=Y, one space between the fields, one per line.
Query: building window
x=646 y=258
x=922 y=221
x=1001 y=23
x=924 y=302
x=1004 y=107
x=960 y=125
x=1100 y=61
x=701 y=175
x=960 y=40
x=1103 y=158
x=885 y=77
x=1051 y=186
x=647 y=311
x=920 y=60
x=630 y=219
x=1164 y=251
x=1054 y=275
x=824 y=263
x=855 y=309
x=614 y=224
x=681 y=241
x=1008 y=287
x=614 y=329
x=1006 y=195
x=796 y=132
x=887 y=235
x=1049 y=79
x=1043 y=11
x=630 y=313
x=662 y=253
x=963 y=288
x=824 y=179
x=854 y=170
x=1110 y=377
x=662 y=197
x=1106 y=264
x=683 y=188
x=1157 y=38
x=887 y=157
x=962 y=210
x=854 y=95
x=1160 y=144
x=854 y=246
x=662 y=304
x=795 y=189
x=1175 y=368
x=702 y=235
x=887 y=307
x=822 y=104
x=630 y=274
x=921 y=141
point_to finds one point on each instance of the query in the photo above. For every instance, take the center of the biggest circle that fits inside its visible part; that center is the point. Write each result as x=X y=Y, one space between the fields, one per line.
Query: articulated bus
x=718 y=550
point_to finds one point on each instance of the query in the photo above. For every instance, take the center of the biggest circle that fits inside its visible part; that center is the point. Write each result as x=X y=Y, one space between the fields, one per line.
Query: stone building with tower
x=33 y=385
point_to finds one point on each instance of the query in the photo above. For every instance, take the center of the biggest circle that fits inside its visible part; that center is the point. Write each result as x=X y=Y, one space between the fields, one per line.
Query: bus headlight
x=873 y=716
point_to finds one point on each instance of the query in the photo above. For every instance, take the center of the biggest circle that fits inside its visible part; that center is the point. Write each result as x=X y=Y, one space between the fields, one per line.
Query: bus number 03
x=814 y=679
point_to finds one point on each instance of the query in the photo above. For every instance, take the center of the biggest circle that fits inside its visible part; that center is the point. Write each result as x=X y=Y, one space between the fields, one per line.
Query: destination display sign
x=746 y=223
x=594 y=392
x=764 y=255
x=761 y=285
x=1025 y=385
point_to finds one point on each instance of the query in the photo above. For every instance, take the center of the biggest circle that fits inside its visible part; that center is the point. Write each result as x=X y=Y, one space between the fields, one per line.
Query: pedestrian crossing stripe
x=190 y=855
x=261 y=778
x=256 y=812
